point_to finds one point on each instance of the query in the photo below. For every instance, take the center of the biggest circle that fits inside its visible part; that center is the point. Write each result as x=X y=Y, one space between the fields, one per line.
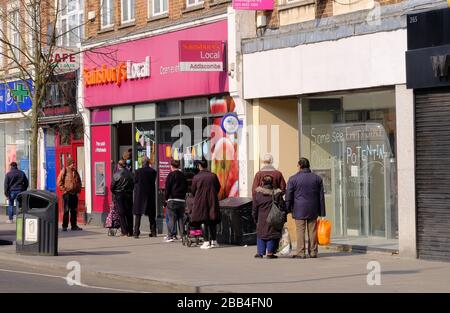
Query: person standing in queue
x=122 y=189
x=205 y=189
x=144 y=197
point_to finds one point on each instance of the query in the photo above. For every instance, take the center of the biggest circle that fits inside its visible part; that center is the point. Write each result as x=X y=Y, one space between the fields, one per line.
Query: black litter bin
x=237 y=226
x=37 y=223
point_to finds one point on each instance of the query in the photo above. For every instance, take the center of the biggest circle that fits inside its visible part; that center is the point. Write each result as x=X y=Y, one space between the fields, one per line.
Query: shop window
x=145 y=112
x=100 y=116
x=198 y=105
x=224 y=104
x=169 y=108
x=356 y=157
x=78 y=131
x=145 y=142
x=64 y=136
x=122 y=113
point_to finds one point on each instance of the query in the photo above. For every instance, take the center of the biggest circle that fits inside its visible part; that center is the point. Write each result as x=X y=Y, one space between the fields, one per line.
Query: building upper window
x=107 y=13
x=158 y=7
x=13 y=30
x=127 y=11
x=70 y=23
x=31 y=28
x=190 y=3
x=1 y=43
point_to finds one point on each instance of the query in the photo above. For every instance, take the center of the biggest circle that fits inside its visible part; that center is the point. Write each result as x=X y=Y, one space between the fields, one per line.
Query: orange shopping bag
x=324 y=232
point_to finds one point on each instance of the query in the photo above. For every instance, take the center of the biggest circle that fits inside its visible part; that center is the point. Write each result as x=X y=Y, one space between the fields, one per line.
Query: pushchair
x=112 y=220
x=192 y=232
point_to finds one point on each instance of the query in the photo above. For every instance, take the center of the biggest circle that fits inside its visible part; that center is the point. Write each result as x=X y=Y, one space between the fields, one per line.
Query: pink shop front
x=139 y=99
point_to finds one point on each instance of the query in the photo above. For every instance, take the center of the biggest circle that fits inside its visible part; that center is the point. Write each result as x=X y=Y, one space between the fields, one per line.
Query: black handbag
x=276 y=217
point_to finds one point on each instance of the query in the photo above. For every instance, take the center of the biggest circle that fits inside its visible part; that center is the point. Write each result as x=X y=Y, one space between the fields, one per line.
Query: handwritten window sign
x=201 y=55
x=253 y=4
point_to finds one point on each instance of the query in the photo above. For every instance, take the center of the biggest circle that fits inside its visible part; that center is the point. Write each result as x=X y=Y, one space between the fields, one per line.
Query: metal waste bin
x=236 y=226
x=37 y=223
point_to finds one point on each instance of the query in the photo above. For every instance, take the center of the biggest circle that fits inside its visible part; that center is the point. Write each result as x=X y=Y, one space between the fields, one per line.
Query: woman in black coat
x=144 y=201
x=267 y=237
x=205 y=188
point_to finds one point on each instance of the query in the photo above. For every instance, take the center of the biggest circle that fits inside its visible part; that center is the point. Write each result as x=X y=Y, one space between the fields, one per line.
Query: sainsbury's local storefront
x=141 y=98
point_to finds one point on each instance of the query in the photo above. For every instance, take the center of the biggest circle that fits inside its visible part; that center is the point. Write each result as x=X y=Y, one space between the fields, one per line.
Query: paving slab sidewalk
x=229 y=268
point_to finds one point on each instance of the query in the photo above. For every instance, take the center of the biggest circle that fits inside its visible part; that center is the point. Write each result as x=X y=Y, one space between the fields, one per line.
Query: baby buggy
x=112 y=220
x=192 y=232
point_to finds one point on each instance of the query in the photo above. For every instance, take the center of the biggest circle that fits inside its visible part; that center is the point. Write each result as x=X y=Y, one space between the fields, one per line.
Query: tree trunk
x=34 y=140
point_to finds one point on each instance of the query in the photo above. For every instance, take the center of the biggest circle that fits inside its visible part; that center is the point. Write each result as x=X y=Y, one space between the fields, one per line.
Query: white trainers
x=8 y=221
x=168 y=239
x=206 y=245
x=214 y=244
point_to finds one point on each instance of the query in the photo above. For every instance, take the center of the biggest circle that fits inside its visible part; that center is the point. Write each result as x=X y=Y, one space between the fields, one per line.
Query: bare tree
x=30 y=35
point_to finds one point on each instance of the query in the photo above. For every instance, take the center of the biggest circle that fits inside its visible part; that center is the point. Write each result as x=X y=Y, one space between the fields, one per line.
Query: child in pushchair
x=112 y=220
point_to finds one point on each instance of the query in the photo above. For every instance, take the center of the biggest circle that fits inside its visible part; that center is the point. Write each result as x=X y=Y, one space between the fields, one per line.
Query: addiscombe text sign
x=201 y=55
x=253 y=4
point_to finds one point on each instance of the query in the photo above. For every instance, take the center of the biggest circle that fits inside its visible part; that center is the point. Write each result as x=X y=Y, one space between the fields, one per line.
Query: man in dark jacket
x=175 y=195
x=305 y=199
x=144 y=197
x=122 y=189
x=15 y=182
x=205 y=189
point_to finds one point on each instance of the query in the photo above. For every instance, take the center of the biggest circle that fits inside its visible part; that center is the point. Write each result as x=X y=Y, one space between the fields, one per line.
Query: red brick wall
x=176 y=11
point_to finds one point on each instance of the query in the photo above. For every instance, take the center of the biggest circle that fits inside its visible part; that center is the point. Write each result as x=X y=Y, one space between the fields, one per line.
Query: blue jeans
x=271 y=246
x=172 y=232
x=12 y=197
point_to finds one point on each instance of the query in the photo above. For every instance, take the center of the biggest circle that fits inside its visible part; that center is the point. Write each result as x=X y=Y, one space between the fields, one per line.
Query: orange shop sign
x=122 y=72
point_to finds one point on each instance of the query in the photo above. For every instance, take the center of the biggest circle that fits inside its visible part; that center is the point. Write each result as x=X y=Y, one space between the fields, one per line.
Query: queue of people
x=302 y=196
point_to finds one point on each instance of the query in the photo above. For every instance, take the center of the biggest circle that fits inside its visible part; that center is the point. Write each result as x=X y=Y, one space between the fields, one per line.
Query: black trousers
x=210 y=231
x=70 y=206
x=125 y=206
x=137 y=224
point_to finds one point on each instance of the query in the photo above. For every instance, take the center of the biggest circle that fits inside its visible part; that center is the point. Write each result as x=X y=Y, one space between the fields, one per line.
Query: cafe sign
x=201 y=55
x=116 y=75
x=65 y=59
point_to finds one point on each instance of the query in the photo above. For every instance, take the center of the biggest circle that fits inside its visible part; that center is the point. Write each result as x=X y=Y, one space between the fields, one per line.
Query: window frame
x=110 y=8
x=196 y=2
x=151 y=7
x=13 y=32
x=64 y=25
x=131 y=8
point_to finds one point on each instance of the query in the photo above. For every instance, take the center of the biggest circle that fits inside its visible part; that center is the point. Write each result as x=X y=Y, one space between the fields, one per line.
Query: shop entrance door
x=76 y=152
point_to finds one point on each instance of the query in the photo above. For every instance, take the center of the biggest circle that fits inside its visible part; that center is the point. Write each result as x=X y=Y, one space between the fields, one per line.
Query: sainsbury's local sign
x=201 y=55
x=118 y=74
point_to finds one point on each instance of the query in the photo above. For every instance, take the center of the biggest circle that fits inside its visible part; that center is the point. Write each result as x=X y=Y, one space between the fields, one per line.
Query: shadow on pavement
x=79 y=233
x=73 y=253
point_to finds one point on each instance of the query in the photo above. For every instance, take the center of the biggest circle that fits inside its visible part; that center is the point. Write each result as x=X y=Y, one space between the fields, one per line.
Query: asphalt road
x=21 y=279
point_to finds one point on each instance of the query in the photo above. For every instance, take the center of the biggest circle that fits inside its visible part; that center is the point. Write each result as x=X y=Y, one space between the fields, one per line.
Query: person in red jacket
x=268 y=169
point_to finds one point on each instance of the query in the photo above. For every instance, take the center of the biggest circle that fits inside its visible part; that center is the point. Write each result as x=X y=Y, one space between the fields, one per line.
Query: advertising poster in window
x=224 y=150
x=165 y=157
x=11 y=155
x=100 y=179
